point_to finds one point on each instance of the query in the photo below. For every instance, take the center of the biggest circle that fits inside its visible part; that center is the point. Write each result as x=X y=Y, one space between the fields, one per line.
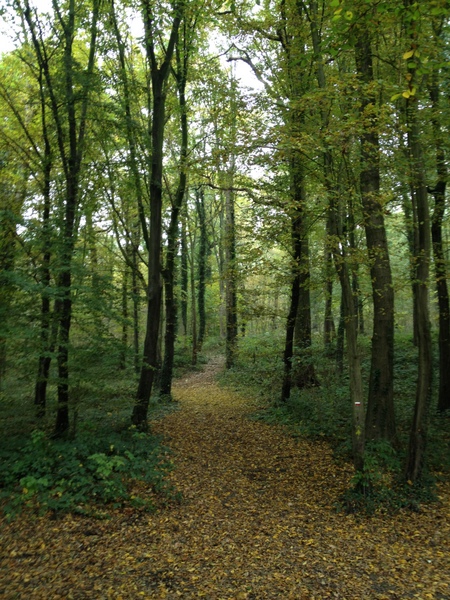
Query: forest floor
x=257 y=520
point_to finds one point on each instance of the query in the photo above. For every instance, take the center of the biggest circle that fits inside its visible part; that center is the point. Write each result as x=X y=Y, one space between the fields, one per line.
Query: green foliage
x=258 y=365
x=380 y=486
x=325 y=413
x=83 y=474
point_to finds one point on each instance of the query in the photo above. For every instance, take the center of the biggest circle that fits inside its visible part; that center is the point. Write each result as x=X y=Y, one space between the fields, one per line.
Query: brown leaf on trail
x=256 y=522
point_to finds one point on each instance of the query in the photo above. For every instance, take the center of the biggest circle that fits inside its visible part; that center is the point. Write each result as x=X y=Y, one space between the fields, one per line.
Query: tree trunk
x=340 y=338
x=71 y=155
x=173 y=233
x=230 y=279
x=156 y=131
x=44 y=361
x=418 y=435
x=350 y=323
x=130 y=130
x=230 y=265
x=296 y=228
x=329 y=330
x=184 y=277
x=124 y=341
x=380 y=416
x=193 y=307
x=438 y=193
x=202 y=258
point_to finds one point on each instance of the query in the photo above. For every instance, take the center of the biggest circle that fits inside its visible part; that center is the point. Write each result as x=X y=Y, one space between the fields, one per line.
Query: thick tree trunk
x=154 y=290
x=296 y=229
x=380 y=416
x=304 y=372
x=156 y=131
x=418 y=435
x=173 y=234
x=44 y=361
x=438 y=252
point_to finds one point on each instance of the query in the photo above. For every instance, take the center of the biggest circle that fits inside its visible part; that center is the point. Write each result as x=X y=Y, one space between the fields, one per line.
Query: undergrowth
x=83 y=475
x=324 y=412
x=104 y=463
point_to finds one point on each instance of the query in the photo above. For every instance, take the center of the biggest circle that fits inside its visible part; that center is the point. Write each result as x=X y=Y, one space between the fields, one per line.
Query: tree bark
x=296 y=229
x=202 y=258
x=380 y=416
x=230 y=279
x=440 y=268
x=184 y=293
x=71 y=157
x=156 y=131
x=418 y=434
x=47 y=346
x=173 y=233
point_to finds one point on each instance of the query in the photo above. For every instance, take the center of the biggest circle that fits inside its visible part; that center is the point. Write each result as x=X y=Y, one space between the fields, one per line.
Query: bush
x=84 y=474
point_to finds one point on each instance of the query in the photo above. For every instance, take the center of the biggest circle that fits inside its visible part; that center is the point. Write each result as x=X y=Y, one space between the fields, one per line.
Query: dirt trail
x=256 y=521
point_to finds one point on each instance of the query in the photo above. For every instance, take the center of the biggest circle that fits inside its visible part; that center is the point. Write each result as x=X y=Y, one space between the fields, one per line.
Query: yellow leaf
x=408 y=54
x=406 y=94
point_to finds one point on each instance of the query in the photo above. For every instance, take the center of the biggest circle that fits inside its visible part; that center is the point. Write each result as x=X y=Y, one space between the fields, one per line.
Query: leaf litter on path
x=256 y=521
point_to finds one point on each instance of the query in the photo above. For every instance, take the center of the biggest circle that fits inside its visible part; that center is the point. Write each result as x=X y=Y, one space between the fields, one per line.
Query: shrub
x=84 y=474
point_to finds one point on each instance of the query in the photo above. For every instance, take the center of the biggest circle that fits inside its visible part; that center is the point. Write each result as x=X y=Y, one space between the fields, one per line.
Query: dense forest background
x=261 y=179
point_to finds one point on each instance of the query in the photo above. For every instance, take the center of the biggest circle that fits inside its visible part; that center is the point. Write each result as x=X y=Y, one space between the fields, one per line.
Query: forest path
x=256 y=522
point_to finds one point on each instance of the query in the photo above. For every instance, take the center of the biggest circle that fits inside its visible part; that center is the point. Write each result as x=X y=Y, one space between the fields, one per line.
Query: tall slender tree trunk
x=380 y=416
x=296 y=229
x=230 y=267
x=438 y=193
x=350 y=322
x=193 y=306
x=125 y=316
x=202 y=259
x=230 y=279
x=329 y=331
x=338 y=243
x=173 y=233
x=156 y=131
x=71 y=157
x=184 y=293
x=418 y=435
x=44 y=360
